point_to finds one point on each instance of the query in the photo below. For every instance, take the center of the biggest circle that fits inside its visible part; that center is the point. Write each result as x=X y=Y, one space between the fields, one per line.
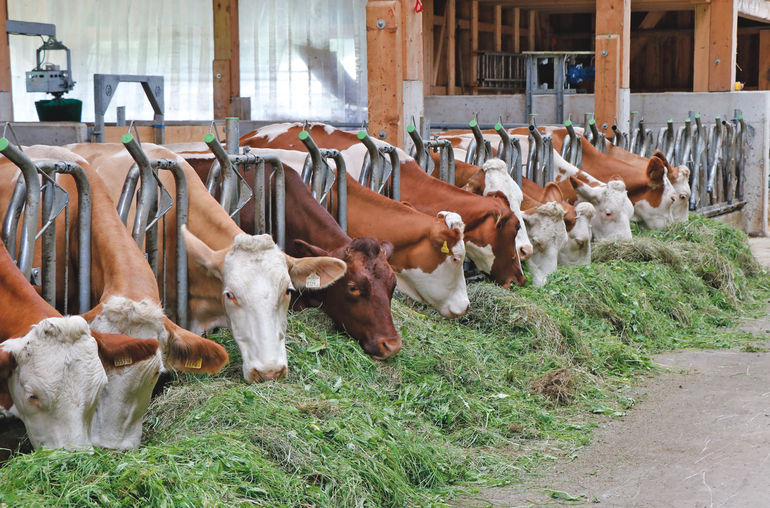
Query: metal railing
x=421 y=153
x=509 y=151
x=320 y=178
x=48 y=201
x=381 y=171
x=479 y=149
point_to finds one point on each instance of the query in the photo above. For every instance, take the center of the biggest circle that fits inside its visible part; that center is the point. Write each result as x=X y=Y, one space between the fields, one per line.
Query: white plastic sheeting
x=172 y=38
x=304 y=59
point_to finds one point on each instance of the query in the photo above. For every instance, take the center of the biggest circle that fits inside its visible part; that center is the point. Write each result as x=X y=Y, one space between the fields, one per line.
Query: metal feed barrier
x=572 y=149
x=509 y=151
x=540 y=157
x=49 y=201
x=153 y=202
x=381 y=171
x=479 y=149
x=421 y=153
x=320 y=178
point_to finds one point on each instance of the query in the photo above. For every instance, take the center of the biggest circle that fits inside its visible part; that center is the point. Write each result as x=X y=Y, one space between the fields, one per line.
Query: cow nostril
x=387 y=347
x=525 y=252
x=268 y=375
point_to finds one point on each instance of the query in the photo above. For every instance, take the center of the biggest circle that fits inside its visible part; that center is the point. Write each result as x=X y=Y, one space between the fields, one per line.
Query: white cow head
x=613 y=209
x=577 y=250
x=54 y=376
x=498 y=181
x=680 y=182
x=256 y=282
x=443 y=288
x=548 y=235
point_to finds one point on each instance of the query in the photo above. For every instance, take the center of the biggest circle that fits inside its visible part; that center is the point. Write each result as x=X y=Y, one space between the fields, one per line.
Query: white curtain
x=304 y=59
x=171 y=38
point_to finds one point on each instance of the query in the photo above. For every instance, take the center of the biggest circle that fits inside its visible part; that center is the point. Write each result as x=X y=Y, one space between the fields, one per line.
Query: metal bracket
x=104 y=89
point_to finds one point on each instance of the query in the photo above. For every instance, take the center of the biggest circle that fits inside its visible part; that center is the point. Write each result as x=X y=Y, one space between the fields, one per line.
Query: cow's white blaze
x=117 y=422
x=496 y=178
x=613 y=210
x=55 y=384
x=548 y=235
x=577 y=250
x=681 y=207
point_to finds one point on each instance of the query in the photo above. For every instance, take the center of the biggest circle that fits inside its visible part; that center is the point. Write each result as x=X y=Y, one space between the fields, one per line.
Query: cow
x=235 y=279
x=490 y=225
x=52 y=368
x=359 y=302
x=128 y=303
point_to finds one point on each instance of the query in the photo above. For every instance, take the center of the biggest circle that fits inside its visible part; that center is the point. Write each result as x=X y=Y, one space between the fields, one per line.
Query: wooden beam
x=764 y=59
x=465 y=24
x=437 y=55
x=651 y=20
x=226 y=65
x=614 y=17
x=700 y=61
x=613 y=41
x=5 y=52
x=427 y=44
x=531 y=30
x=723 y=45
x=474 y=43
x=516 y=30
x=498 y=28
x=451 y=47
x=412 y=43
x=384 y=66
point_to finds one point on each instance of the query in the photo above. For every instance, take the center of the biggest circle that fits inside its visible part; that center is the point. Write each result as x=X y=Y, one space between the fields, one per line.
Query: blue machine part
x=576 y=74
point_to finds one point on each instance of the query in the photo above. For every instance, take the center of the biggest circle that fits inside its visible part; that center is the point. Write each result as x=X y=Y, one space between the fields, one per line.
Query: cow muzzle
x=258 y=376
x=384 y=347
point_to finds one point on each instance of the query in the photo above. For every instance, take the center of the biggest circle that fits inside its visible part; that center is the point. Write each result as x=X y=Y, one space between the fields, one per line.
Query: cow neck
x=23 y=306
x=307 y=220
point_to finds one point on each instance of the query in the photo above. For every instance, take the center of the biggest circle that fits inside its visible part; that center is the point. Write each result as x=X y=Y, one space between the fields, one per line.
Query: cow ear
x=588 y=193
x=656 y=170
x=387 y=249
x=683 y=173
x=315 y=273
x=192 y=353
x=499 y=194
x=552 y=193
x=7 y=365
x=200 y=253
x=120 y=350
x=305 y=249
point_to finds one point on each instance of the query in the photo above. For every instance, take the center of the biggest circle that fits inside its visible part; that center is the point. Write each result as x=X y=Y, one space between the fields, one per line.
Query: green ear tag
x=444 y=248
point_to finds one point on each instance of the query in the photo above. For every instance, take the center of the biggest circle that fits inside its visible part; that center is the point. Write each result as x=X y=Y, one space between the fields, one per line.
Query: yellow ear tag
x=444 y=248
x=123 y=360
x=193 y=364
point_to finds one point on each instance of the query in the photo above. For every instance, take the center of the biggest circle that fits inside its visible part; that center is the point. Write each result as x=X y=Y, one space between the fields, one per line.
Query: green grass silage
x=466 y=402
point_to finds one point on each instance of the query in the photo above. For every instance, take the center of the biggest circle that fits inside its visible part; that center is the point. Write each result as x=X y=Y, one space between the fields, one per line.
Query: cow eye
x=229 y=295
x=34 y=399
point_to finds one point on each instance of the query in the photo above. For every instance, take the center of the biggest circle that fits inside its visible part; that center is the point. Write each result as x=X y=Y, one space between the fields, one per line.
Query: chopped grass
x=476 y=401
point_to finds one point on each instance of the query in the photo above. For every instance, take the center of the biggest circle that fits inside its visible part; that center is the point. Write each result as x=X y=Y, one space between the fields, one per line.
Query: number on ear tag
x=123 y=360
x=313 y=281
x=193 y=364
x=444 y=248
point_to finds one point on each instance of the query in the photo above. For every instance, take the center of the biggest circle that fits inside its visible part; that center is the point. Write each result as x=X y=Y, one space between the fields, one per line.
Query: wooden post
x=498 y=27
x=613 y=41
x=764 y=59
x=226 y=64
x=516 y=30
x=474 y=44
x=384 y=65
x=700 y=75
x=427 y=44
x=723 y=44
x=531 y=30
x=451 y=27
x=5 y=60
x=413 y=65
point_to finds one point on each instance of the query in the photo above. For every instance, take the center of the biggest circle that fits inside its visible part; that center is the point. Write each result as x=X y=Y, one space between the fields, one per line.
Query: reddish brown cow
x=490 y=226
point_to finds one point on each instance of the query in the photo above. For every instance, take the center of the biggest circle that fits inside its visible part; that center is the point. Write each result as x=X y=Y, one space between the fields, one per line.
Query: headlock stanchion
x=620 y=138
x=683 y=151
x=572 y=150
x=153 y=198
x=380 y=174
x=642 y=140
x=479 y=149
x=262 y=195
x=509 y=150
x=598 y=139
x=421 y=154
x=235 y=191
x=320 y=178
x=54 y=200
x=667 y=140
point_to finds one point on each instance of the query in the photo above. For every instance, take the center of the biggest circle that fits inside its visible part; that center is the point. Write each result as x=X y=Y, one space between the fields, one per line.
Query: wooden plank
x=764 y=59
x=700 y=60
x=651 y=20
x=437 y=56
x=723 y=44
x=5 y=52
x=427 y=44
x=614 y=17
x=451 y=45
x=607 y=82
x=412 y=43
x=226 y=49
x=474 y=43
x=384 y=66
x=516 y=30
x=498 y=33
x=465 y=24
x=531 y=30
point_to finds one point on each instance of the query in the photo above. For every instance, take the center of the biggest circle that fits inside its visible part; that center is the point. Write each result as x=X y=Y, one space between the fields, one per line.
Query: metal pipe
x=32 y=203
x=395 y=173
x=421 y=155
x=48 y=244
x=127 y=194
x=229 y=195
x=370 y=173
x=147 y=189
x=714 y=162
x=480 y=152
x=342 y=186
x=535 y=168
x=547 y=160
x=319 y=170
x=12 y=215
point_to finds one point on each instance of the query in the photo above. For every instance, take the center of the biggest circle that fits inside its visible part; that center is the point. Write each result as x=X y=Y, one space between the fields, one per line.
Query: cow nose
x=268 y=375
x=581 y=242
x=525 y=252
x=386 y=347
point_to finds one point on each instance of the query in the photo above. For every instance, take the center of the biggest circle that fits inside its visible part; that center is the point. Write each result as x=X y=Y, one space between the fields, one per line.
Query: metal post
x=558 y=69
x=12 y=215
x=147 y=190
x=480 y=155
x=342 y=187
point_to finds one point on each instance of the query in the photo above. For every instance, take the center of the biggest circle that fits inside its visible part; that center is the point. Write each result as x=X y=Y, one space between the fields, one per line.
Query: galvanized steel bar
x=148 y=190
x=480 y=155
x=12 y=215
x=342 y=186
x=370 y=174
x=127 y=193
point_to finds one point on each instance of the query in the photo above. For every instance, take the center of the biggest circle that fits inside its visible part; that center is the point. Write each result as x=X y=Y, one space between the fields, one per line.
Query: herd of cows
x=81 y=381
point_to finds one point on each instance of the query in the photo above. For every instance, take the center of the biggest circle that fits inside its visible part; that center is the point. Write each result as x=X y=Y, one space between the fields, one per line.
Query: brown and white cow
x=359 y=302
x=490 y=225
x=235 y=279
x=52 y=368
x=128 y=303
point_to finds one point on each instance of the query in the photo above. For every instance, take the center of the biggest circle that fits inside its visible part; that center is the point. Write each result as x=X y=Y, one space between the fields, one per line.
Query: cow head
x=613 y=208
x=679 y=177
x=256 y=280
x=652 y=207
x=577 y=251
x=498 y=182
x=53 y=377
x=548 y=235
x=442 y=286
x=359 y=302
